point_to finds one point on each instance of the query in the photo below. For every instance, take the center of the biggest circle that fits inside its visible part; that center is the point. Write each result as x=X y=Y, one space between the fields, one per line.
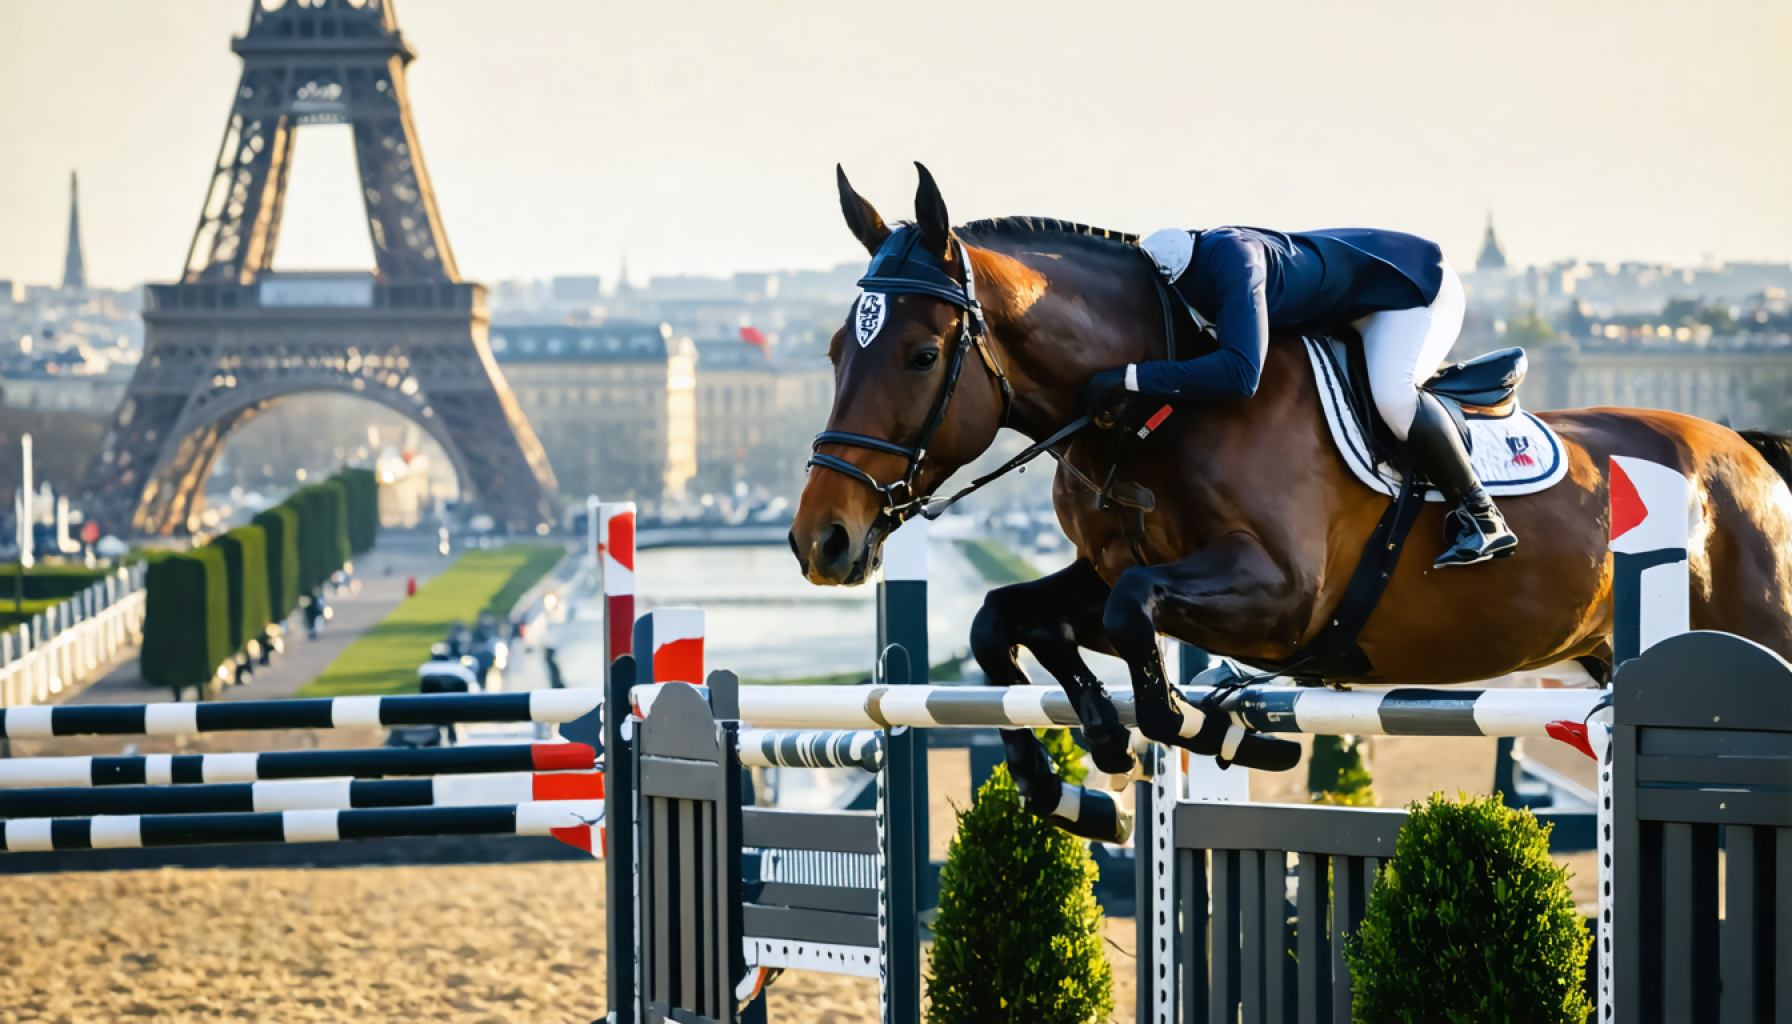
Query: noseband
x=903 y=267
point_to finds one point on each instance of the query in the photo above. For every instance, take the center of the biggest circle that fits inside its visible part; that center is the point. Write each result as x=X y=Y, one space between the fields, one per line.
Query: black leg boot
x=1436 y=450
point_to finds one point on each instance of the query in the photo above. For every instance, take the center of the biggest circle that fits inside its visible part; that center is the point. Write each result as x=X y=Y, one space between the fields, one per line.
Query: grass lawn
x=385 y=658
x=995 y=563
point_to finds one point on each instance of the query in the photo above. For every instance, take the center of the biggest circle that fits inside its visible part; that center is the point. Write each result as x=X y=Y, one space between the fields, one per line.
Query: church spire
x=1492 y=257
x=74 y=266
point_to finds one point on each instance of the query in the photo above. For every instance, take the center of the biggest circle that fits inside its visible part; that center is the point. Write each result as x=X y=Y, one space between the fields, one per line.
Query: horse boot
x=1213 y=734
x=1081 y=812
x=1110 y=743
x=1434 y=444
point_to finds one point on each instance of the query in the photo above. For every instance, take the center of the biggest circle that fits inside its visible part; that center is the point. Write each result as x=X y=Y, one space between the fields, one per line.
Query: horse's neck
x=1055 y=324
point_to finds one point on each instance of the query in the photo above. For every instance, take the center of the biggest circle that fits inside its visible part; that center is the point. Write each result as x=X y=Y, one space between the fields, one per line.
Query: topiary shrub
x=186 y=629
x=246 y=568
x=280 y=526
x=49 y=582
x=1471 y=921
x=363 y=507
x=1336 y=773
x=1018 y=935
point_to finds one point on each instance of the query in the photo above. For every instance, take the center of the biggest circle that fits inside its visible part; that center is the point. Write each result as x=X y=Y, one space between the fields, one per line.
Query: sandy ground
x=482 y=944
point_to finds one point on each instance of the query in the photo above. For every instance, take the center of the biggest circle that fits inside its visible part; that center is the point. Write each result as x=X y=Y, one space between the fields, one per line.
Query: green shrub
x=1336 y=773
x=323 y=532
x=280 y=527
x=186 y=629
x=50 y=582
x=1471 y=921
x=246 y=575
x=1018 y=936
x=363 y=508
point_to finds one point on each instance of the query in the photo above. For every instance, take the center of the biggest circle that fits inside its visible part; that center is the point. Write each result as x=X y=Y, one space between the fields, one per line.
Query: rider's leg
x=1403 y=347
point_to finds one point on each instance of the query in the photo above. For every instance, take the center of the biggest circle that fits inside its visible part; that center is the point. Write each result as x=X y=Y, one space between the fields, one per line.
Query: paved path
x=381 y=574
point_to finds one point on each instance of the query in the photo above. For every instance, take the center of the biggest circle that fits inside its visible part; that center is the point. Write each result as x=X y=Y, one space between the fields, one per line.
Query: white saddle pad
x=1515 y=453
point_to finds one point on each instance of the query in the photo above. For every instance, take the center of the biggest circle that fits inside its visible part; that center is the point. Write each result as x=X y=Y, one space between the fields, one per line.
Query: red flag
x=752 y=336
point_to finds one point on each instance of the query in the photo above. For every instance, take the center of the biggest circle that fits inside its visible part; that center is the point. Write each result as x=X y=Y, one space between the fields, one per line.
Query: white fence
x=65 y=645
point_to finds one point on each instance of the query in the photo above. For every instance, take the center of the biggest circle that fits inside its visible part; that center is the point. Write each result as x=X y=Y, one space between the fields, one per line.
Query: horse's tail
x=1775 y=448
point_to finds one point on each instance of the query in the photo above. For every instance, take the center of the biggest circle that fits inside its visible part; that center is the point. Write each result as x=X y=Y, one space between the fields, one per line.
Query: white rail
x=68 y=644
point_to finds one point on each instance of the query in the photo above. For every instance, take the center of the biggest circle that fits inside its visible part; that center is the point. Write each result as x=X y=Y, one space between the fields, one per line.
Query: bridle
x=907 y=271
x=903 y=267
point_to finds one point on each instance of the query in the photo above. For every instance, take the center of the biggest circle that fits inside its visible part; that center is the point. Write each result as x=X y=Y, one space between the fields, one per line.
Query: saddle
x=1485 y=387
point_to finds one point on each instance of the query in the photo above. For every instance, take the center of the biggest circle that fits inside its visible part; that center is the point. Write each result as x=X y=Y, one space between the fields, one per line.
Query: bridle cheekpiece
x=903 y=266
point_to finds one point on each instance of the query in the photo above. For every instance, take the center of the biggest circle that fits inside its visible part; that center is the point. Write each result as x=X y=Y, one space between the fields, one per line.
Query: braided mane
x=1021 y=227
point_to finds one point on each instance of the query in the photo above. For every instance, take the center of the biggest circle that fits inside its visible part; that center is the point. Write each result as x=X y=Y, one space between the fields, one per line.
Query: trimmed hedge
x=50 y=582
x=280 y=528
x=363 y=508
x=186 y=628
x=323 y=531
x=246 y=565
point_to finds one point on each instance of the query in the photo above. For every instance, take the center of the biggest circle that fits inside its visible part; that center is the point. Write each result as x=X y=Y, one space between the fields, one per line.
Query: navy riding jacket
x=1248 y=281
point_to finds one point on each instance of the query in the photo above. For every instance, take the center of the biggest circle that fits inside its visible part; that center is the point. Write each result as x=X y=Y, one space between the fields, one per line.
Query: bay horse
x=1257 y=523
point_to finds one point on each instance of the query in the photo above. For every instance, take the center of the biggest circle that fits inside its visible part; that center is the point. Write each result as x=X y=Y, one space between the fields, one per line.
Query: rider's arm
x=1234 y=273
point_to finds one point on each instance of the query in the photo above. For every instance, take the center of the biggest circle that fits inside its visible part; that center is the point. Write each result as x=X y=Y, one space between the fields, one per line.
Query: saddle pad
x=1515 y=453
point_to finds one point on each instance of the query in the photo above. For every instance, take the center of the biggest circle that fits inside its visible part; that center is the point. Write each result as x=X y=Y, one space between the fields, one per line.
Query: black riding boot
x=1436 y=450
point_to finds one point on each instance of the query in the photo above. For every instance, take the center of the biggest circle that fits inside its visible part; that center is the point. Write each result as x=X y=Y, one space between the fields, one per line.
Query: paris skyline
x=701 y=137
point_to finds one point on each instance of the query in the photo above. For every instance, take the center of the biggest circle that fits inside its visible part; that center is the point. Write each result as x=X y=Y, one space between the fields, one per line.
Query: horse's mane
x=1015 y=228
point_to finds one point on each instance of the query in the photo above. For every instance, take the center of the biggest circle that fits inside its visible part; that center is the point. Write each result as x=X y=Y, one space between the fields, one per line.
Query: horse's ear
x=930 y=215
x=861 y=216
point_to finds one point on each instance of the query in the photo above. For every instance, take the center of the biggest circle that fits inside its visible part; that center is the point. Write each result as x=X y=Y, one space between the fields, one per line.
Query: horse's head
x=905 y=417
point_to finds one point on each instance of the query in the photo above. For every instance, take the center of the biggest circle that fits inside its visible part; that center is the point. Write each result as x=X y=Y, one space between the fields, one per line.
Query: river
x=764 y=621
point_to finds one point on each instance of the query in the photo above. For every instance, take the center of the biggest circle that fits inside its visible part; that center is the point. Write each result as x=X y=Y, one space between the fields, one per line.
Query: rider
x=1394 y=288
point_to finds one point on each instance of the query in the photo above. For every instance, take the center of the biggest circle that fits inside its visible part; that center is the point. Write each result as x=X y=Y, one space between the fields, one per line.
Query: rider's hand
x=1105 y=395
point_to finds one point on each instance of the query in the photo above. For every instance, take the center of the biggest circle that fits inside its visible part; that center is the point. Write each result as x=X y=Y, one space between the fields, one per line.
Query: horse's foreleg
x=1233 y=586
x=1038 y=615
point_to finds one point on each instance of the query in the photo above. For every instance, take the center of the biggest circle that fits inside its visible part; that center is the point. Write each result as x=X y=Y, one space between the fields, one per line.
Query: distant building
x=577 y=288
x=74 y=264
x=1492 y=257
x=756 y=414
x=1738 y=384
x=49 y=387
x=613 y=404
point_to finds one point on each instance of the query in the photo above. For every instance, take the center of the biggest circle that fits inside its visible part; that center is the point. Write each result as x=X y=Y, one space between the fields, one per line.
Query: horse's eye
x=924 y=359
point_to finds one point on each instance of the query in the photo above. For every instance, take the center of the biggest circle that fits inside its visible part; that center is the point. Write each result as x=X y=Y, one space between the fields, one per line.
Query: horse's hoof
x=1100 y=818
x=1116 y=782
x=1265 y=753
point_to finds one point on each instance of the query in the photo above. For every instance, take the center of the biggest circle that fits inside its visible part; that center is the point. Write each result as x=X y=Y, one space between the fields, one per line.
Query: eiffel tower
x=233 y=337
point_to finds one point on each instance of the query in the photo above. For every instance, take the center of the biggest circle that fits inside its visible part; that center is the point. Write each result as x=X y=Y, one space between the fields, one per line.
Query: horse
x=1253 y=524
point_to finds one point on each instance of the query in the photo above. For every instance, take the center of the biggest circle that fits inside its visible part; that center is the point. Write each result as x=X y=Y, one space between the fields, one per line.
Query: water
x=764 y=621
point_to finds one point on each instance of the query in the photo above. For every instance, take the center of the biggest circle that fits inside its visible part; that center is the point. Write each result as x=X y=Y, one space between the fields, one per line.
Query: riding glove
x=1105 y=396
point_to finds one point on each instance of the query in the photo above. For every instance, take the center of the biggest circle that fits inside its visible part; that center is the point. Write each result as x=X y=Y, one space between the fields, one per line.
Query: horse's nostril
x=834 y=543
x=791 y=537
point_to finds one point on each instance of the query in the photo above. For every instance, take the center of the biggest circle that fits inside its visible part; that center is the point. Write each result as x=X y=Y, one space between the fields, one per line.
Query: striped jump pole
x=303 y=795
x=812 y=748
x=180 y=719
x=570 y=821
x=377 y=762
x=1397 y=711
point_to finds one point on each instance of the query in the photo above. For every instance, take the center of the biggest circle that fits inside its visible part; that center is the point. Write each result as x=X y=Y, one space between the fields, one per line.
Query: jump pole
x=570 y=821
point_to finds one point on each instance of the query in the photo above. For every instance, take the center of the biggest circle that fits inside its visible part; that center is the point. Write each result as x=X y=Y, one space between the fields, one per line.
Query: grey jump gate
x=1693 y=773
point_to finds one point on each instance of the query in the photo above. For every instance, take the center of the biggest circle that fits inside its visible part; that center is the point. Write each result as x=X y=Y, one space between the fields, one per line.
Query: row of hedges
x=206 y=605
x=50 y=582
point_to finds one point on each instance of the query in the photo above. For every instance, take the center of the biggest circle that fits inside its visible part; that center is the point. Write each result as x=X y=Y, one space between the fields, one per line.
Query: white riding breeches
x=1404 y=347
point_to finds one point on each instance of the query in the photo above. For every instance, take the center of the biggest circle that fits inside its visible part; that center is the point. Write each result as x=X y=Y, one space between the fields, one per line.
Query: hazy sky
x=700 y=135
